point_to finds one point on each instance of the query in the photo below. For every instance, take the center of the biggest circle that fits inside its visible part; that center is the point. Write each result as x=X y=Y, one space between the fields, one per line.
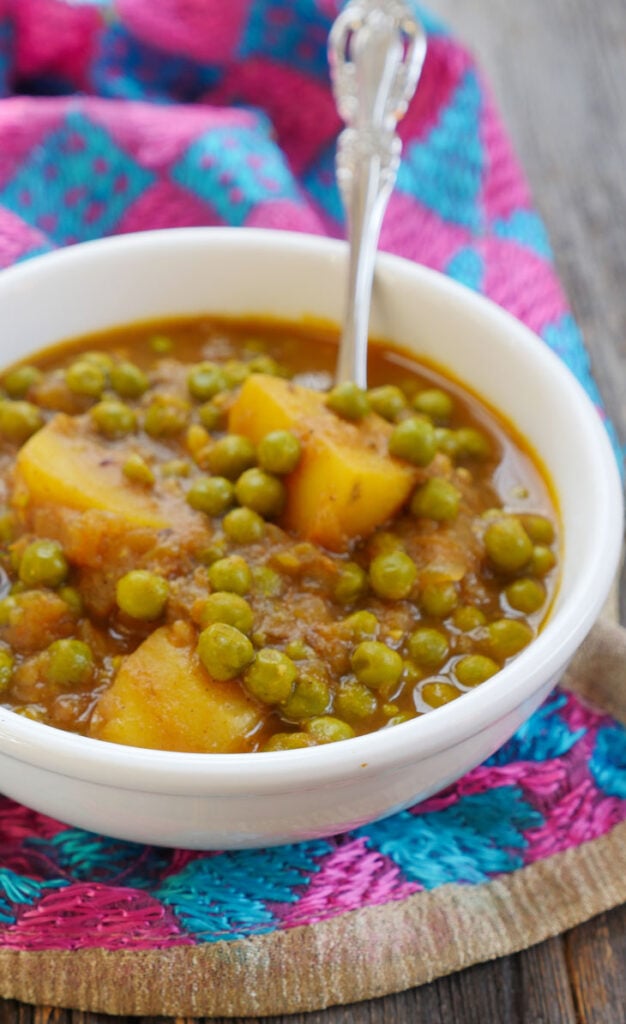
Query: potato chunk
x=62 y=466
x=346 y=483
x=35 y=619
x=164 y=699
x=70 y=486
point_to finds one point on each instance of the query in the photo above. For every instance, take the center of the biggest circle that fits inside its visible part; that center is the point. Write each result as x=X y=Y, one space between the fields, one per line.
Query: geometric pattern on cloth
x=129 y=116
x=560 y=781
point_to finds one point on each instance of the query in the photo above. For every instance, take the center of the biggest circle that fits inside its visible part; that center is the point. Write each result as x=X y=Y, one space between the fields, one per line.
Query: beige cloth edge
x=598 y=672
x=364 y=953
x=360 y=955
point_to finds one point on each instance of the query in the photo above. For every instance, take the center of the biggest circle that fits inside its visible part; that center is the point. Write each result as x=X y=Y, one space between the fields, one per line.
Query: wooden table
x=558 y=69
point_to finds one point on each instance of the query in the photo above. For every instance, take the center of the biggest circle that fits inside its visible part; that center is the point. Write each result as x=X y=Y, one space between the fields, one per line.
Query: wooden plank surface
x=558 y=70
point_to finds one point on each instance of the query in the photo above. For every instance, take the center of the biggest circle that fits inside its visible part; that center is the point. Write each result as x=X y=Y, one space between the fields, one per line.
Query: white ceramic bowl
x=239 y=800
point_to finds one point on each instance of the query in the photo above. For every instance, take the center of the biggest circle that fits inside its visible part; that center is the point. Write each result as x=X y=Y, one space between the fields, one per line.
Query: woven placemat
x=523 y=847
x=126 y=116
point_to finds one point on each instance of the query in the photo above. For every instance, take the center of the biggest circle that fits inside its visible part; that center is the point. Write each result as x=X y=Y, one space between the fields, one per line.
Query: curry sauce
x=207 y=547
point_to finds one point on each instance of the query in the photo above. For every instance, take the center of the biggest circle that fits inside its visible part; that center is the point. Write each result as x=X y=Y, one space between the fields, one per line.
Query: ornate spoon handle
x=376 y=52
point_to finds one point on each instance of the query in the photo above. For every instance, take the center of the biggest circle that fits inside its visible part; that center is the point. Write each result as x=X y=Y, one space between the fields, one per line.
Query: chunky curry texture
x=206 y=547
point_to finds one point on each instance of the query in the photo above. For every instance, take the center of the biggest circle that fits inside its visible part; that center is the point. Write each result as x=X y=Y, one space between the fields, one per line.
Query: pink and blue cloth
x=130 y=115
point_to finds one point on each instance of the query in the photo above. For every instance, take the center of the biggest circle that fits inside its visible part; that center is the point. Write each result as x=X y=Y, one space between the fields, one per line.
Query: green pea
x=43 y=564
x=526 y=595
x=85 y=377
x=384 y=542
x=467 y=617
x=19 y=381
x=388 y=401
x=243 y=526
x=9 y=610
x=311 y=695
x=409 y=386
x=72 y=598
x=263 y=493
x=113 y=418
x=438 y=693
x=414 y=440
x=206 y=381
x=100 y=359
x=404 y=716
x=298 y=650
x=271 y=676
x=354 y=701
x=279 y=452
x=128 y=380
x=213 y=552
x=438 y=599
x=235 y=372
x=472 y=444
x=361 y=625
x=508 y=545
x=392 y=575
x=175 y=467
x=434 y=403
x=506 y=637
x=142 y=595
x=231 y=456
x=327 y=729
x=436 y=499
x=348 y=400
x=287 y=741
x=447 y=442
x=6 y=670
x=160 y=344
x=32 y=712
x=166 y=416
x=211 y=494
x=136 y=468
x=224 y=650
x=222 y=606
x=69 y=663
x=474 y=669
x=265 y=364
x=211 y=416
x=268 y=583
x=542 y=560
x=539 y=528
x=413 y=674
x=19 y=421
x=428 y=647
x=389 y=710
x=376 y=665
x=231 y=574
x=351 y=583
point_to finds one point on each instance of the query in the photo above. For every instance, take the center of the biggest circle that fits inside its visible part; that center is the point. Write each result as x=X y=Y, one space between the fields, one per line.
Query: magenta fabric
x=142 y=114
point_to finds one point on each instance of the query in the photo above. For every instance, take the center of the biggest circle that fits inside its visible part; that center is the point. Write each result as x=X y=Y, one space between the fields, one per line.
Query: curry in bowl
x=206 y=547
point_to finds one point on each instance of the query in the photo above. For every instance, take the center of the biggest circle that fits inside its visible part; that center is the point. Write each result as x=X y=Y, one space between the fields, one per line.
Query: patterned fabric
x=135 y=115
x=559 y=782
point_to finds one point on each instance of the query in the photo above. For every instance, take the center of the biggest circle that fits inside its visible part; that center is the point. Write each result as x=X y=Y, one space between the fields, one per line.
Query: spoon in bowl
x=376 y=50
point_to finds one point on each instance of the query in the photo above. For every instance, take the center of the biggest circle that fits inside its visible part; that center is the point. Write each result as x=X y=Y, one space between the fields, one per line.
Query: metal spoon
x=376 y=50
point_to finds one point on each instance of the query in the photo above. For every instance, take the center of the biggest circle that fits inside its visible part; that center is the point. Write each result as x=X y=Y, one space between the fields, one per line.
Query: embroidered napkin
x=129 y=115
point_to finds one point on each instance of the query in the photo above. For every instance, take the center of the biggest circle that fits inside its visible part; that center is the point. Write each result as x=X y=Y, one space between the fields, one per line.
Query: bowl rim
x=135 y=768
